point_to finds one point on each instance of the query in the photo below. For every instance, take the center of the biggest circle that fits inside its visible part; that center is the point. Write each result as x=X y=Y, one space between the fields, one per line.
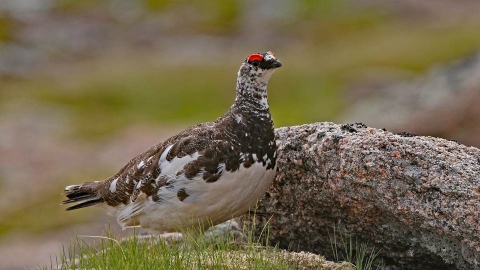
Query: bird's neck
x=251 y=95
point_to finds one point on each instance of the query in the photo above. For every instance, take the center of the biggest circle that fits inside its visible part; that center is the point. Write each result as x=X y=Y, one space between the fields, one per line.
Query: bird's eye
x=256 y=57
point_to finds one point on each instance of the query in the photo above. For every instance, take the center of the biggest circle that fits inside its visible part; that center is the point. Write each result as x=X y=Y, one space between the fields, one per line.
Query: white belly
x=208 y=203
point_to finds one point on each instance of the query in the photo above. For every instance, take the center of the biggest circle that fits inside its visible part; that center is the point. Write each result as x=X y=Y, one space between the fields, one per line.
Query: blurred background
x=87 y=85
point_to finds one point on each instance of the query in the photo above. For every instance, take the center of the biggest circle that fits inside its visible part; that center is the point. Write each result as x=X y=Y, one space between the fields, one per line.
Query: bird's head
x=258 y=67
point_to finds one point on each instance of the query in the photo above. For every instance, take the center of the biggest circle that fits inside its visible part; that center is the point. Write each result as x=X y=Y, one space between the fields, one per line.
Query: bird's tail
x=86 y=194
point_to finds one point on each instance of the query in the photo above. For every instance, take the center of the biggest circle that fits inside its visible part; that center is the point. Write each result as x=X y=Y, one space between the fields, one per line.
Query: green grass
x=216 y=249
x=197 y=254
x=192 y=252
x=345 y=248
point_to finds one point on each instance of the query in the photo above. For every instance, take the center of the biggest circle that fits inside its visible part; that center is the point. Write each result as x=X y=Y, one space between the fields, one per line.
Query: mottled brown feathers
x=241 y=137
x=224 y=141
x=182 y=194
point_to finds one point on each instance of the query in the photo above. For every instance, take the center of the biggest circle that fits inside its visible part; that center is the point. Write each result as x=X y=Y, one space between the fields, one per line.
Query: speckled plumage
x=210 y=172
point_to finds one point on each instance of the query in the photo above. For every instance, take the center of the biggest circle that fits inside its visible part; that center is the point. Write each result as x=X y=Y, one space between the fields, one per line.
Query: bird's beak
x=273 y=63
x=276 y=64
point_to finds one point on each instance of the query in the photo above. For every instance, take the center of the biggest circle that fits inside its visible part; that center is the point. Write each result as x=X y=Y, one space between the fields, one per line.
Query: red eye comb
x=254 y=57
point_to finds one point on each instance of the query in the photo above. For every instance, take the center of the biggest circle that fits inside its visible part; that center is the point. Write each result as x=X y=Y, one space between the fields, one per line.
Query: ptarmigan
x=204 y=175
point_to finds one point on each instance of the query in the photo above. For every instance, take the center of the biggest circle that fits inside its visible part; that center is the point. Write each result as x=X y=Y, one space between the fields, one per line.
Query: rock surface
x=414 y=198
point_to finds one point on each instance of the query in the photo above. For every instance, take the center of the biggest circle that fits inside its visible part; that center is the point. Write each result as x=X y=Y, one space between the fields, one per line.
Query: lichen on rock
x=414 y=198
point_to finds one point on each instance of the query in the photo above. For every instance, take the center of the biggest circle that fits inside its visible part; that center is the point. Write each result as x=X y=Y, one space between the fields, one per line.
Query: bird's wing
x=154 y=175
x=199 y=149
